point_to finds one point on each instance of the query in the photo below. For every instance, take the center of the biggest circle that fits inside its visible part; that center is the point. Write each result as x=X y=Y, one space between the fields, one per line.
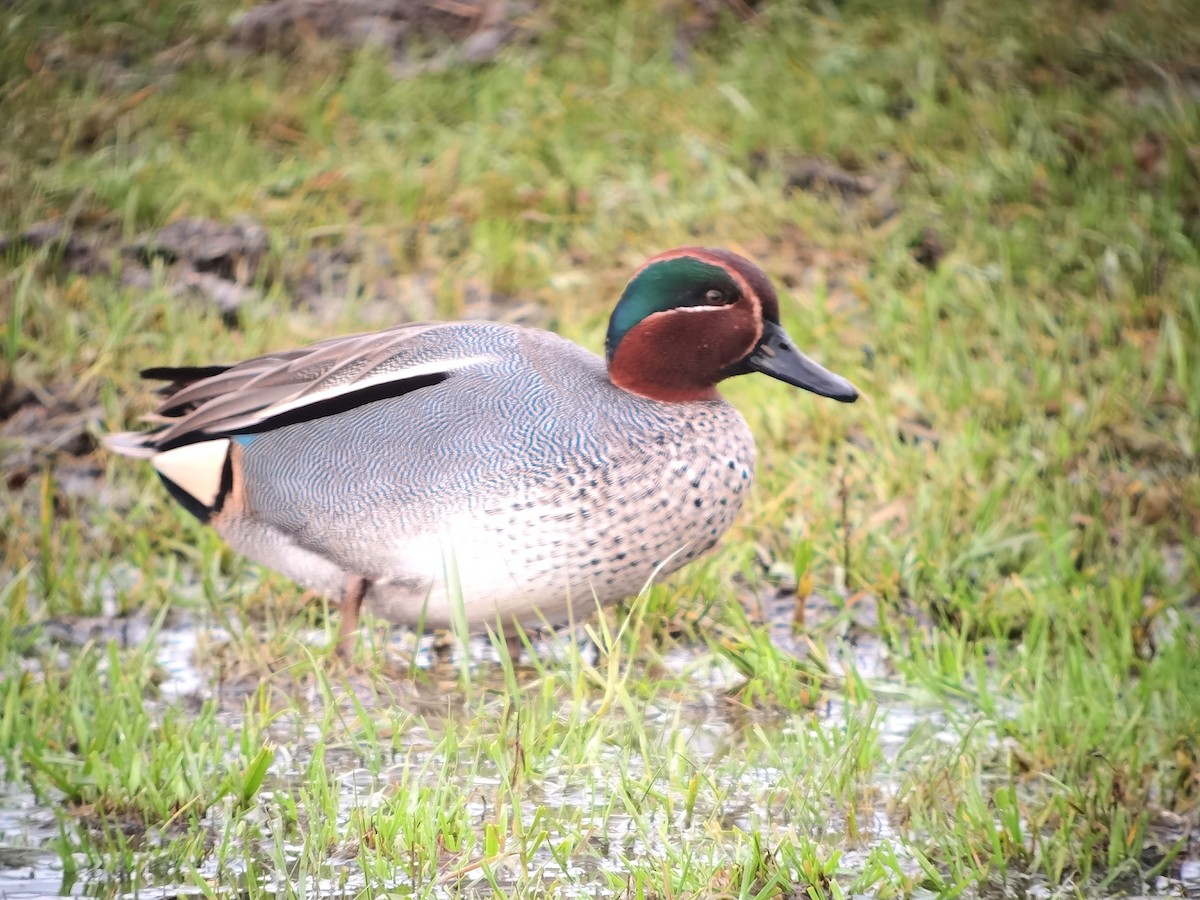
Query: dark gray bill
x=778 y=357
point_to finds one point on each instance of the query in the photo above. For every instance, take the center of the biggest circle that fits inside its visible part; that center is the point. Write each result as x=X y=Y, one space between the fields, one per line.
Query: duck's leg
x=513 y=644
x=353 y=591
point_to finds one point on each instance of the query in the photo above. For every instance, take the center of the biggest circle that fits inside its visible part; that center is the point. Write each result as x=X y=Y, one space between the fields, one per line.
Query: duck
x=480 y=473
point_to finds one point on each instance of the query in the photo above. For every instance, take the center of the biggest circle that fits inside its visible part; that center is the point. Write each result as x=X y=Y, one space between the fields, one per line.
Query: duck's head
x=693 y=316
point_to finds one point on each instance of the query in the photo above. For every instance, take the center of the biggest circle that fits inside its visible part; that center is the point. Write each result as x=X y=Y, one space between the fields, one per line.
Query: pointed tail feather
x=130 y=443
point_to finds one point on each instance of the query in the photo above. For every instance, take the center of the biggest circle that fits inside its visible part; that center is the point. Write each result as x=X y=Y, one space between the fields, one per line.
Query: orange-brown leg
x=514 y=645
x=353 y=591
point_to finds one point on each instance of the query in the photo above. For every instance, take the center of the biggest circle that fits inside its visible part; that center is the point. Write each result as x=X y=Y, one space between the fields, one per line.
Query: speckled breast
x=592 y=536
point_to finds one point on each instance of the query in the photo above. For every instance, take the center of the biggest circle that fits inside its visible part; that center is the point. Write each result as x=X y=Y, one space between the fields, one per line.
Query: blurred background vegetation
x=985 y=214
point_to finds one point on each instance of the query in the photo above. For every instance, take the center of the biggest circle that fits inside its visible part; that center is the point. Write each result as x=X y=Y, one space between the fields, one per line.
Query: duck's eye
x=714 y=297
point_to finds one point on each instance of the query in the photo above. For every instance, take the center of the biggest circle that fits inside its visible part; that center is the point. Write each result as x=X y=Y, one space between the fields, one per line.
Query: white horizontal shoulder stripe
x=301 y=399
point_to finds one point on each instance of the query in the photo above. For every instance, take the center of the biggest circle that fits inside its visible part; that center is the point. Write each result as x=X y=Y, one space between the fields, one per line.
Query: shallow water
x=29 y=866
x=706 y=728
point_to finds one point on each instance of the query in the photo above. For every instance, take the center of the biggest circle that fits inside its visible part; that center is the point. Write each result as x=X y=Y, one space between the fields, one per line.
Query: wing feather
x=208 y=401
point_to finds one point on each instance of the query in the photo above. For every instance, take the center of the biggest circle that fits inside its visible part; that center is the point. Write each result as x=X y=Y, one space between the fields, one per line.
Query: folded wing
x=281 y=388
x=204 y=407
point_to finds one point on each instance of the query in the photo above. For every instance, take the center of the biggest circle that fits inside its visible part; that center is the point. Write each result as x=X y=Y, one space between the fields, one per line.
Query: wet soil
x=46 y=425
x=466 y=31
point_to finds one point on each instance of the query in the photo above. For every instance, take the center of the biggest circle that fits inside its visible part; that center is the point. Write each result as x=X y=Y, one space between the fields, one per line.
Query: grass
x=1006 y=693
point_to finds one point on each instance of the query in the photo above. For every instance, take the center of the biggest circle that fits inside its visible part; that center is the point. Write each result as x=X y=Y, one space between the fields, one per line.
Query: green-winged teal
x=502 y=465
